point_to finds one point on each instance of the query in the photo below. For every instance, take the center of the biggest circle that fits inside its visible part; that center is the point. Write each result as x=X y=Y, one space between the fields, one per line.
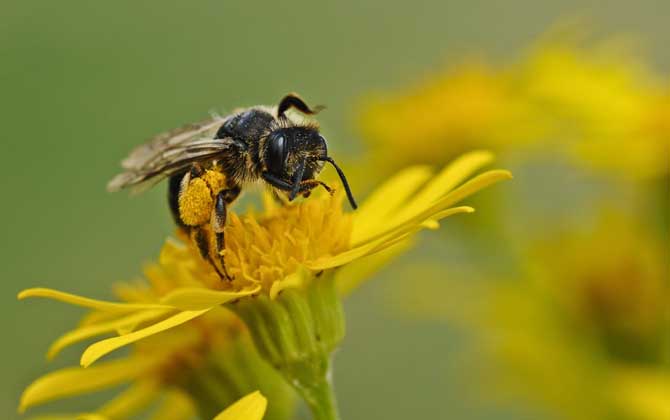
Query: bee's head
x=294 y=153
x=297 y=154
x=289 y=148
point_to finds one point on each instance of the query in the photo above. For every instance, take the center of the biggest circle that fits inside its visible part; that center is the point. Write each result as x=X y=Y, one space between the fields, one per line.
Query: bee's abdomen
x=174 y=187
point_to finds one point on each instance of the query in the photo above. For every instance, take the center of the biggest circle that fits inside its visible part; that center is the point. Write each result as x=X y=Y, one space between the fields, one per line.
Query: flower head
x=604 y=103
x=470 y=105
x=588 y=314
x=613 y=286
x=600 y=105
x=603 y=294
x=199 y=366
x=282 y=248
x=287 y=268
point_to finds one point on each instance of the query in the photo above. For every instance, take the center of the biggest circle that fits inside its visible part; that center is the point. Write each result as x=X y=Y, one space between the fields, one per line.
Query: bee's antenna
x=350 y=196
x=292 y=100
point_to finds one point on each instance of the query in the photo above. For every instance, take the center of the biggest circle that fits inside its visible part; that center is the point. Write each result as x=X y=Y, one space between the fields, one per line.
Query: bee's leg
x=199 y=235
x=196 y=170
x=192 y=202
x=276 y=182
x=307 y=185
x=219 y=214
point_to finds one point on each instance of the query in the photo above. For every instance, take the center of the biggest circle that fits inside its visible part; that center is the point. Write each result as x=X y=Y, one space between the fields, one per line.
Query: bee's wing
x=170 y=153
x=141 y=155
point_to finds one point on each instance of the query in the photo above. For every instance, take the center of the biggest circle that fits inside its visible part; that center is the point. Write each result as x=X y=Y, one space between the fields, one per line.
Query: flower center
x=268 y=250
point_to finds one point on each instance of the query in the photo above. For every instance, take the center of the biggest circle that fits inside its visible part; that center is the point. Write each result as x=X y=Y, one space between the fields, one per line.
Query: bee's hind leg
x=219 y=215
x=192 y=203
x=199 y=236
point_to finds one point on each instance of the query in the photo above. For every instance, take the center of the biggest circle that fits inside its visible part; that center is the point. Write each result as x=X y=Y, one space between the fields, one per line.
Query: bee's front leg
x=218 y=221
x=308 y=185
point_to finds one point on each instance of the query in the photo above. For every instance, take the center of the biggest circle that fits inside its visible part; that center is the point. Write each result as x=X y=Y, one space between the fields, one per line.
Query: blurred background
x=550 y=302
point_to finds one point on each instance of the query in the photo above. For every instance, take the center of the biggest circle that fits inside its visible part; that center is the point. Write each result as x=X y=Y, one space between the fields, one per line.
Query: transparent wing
x=170 y=153
x=139 y=157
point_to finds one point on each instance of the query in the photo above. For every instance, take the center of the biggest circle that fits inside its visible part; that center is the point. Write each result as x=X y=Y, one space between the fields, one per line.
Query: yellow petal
x=472 y=186
x=101 y=348
x=355 y=253
x=385 y=200
x=251 y=407
x=86 y=302
x=425 y=219
x=432 y=223
x=384 y=240
x=420 y=215
x=175 y=406
x=119 y=324
x=195 y=299
x=452 y=175
x=345 y=257
x=130 y=401
x=400 y=197
x=75 y=381
x=456 y=172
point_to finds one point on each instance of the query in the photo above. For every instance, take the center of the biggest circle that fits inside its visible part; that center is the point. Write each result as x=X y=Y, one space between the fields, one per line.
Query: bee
x=208 y=163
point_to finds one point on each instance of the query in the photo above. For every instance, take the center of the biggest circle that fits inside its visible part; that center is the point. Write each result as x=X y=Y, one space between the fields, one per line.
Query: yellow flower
x=288 y=265
x=584 y=331
x=606 y=107
x=600 y=105
x=471 y=105
x=199 y=366
x=284 y=248
x=604 y=294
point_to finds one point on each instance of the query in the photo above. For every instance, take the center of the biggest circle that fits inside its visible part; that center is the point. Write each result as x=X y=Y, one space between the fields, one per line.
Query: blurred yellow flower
x=600 y=105
x=605 y=106
x=471 y=105
x=584 y=331
x=591 y=318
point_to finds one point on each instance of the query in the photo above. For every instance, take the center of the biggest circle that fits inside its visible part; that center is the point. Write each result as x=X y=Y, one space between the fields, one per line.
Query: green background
x=82 y=82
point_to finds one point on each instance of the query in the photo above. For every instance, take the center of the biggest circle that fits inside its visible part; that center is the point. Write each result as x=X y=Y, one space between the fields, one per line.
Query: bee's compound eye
x=323 y=145
x=277 y=153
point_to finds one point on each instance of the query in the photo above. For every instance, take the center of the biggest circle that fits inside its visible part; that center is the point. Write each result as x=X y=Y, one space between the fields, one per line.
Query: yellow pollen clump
x=216 y=181
x=196 y=203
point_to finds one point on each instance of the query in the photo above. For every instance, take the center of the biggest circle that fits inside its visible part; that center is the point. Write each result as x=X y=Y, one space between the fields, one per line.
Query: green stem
x=320 y=398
